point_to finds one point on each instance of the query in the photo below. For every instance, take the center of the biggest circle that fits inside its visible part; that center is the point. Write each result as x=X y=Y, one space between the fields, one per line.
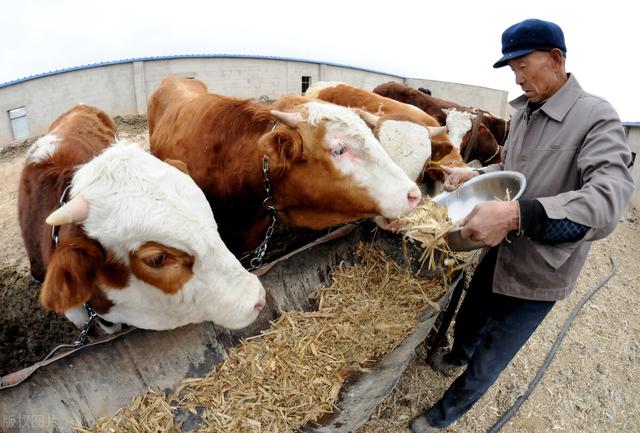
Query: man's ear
x=71 y=275
x=176 y=163
x=283 y=147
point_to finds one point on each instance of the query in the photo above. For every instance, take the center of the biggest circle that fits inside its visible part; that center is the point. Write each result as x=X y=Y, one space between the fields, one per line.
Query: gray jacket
x=574 y=155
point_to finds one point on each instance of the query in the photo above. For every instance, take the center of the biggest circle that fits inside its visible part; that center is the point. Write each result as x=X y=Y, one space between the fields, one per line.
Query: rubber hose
x=552 y=353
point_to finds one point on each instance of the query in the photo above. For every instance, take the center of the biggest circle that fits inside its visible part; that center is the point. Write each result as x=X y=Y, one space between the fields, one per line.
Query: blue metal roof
x=630 y=123
x=185 y=56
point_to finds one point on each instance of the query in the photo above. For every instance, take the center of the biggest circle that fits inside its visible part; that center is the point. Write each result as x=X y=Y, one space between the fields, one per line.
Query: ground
x=593 y=385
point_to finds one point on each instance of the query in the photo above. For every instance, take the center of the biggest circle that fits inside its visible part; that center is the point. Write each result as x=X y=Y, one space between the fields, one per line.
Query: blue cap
x=530 y=35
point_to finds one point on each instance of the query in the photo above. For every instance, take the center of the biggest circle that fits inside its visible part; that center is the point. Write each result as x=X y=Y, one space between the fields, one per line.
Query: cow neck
x=475 y=127
x=492 y=157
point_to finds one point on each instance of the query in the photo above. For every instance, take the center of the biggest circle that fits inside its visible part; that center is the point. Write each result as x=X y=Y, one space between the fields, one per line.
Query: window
x=306 y=82
x=19 y=125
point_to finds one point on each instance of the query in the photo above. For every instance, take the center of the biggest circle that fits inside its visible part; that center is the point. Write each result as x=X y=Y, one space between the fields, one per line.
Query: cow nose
x=414 y=197
x=262 y=302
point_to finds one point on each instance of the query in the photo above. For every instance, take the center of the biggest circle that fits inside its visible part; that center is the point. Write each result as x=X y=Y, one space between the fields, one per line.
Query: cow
x=485 y=131
x=325 y=165
x=412 y=137
x=135 y=237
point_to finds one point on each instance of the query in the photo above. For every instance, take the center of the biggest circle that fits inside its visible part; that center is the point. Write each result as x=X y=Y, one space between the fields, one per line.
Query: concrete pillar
x=323 y=72
x=138 y=87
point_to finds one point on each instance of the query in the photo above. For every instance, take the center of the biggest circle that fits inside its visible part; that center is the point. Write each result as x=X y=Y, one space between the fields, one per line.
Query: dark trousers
x=489 y=331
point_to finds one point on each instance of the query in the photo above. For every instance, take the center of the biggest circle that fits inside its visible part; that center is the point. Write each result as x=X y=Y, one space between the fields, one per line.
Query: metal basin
x=501 y=185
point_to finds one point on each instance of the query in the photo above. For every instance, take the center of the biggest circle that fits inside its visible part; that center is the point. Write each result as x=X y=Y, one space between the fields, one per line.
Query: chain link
x=81 y=340
x=82 y=337
x=259 y=252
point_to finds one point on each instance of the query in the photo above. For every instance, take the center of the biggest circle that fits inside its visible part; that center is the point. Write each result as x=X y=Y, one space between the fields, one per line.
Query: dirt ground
x=593 y=385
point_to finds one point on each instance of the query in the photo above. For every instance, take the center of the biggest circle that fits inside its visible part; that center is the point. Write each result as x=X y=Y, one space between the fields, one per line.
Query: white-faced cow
x=478 y=133
x=137 y=239
x=413 y=139
x=326 y=167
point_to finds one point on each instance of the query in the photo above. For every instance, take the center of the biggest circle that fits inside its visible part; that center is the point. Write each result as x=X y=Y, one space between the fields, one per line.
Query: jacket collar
x=559 y=104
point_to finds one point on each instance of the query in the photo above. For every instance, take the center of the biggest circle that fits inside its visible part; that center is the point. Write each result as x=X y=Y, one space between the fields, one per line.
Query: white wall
x=491 y=100
x=123 y=87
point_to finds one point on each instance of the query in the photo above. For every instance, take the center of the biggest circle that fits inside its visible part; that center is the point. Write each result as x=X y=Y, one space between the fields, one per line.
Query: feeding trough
x=96 y=380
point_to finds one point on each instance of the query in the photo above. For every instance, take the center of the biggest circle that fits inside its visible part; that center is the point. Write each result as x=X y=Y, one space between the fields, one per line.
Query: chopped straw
x=292 y=373
x=428 y=225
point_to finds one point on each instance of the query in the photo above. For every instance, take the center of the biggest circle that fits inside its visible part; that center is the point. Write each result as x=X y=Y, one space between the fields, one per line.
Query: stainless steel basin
x=501 y=185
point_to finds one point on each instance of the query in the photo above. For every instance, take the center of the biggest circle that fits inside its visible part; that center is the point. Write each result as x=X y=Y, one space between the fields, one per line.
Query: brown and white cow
x=326 y=167
x=137 y=239
x=478 y=133
x=403 y=130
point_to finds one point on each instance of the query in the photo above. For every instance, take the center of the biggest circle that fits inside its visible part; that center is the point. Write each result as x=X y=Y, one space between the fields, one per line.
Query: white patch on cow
x=77 y=315
x=314 y=90
x=135 y=198
x=458 y=124
x=369 y=165
x=408 y=144
x=43 y=149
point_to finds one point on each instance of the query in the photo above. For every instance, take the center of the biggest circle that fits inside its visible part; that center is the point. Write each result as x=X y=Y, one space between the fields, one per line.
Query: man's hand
x=457 y=176
x=489 y=222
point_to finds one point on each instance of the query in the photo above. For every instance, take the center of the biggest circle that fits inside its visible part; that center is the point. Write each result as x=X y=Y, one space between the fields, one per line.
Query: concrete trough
x=99 y=378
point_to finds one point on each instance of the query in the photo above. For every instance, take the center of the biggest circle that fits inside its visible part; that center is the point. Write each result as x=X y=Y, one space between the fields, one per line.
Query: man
x=571 y=147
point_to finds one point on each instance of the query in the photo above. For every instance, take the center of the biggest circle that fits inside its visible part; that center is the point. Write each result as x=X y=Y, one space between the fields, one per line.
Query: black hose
x=552 y=353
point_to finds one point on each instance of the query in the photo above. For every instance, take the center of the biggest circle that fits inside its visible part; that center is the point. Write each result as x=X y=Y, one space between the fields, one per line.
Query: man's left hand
x=489 y=222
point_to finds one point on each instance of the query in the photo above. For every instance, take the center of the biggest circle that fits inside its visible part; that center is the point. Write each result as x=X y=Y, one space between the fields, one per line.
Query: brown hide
x=429 y=104
x=443 y=152
x=492 y=133
x=222 y=141
x=84 y=131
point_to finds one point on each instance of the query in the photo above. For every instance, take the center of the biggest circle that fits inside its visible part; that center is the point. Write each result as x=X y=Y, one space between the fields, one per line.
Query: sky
x=452 y=40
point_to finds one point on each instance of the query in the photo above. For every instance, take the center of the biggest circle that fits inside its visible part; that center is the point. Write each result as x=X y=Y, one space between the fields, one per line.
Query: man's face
x=538 y=74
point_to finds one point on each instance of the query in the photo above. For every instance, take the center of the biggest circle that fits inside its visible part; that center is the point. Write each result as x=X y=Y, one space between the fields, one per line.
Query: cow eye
x=156 y=261
x=338 y=150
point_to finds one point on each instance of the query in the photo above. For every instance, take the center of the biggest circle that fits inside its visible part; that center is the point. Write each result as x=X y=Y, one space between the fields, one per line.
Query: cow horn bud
x=370 y=118
x=290 y=119
x=436 y=130
x=75 y=210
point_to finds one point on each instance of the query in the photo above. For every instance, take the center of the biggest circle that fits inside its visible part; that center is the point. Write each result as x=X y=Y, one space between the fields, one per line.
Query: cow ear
x=283 y=147
x=176 y=163
x=71 y=275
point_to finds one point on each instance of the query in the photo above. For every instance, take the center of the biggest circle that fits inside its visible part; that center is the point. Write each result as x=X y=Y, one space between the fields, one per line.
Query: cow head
x=328 y=168
x=408 y=143
x=484 y=146
x=140 y=243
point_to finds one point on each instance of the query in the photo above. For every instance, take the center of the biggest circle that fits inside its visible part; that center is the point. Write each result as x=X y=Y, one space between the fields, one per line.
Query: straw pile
x=292 y=373
x=428 y=224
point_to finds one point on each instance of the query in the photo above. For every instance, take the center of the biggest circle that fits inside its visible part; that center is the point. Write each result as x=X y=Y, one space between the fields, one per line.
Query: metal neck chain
x=269 y=205
x=82 y=338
